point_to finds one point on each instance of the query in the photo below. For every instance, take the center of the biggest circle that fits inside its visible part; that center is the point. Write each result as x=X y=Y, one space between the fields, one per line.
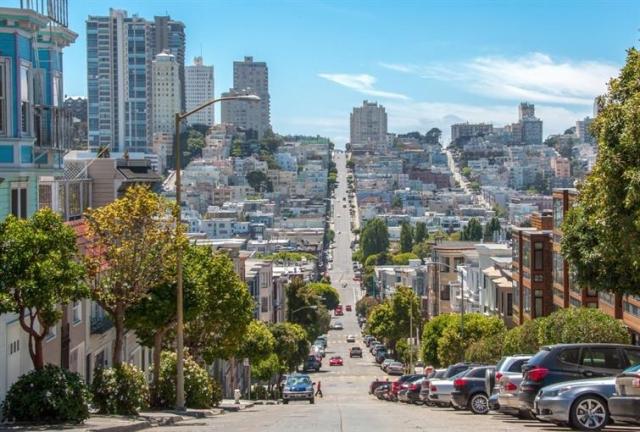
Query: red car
x=348 y=308
x=336 y=361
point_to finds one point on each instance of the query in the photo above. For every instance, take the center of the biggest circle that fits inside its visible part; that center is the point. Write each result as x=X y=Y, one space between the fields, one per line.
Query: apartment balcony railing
x=100 y=324
x=53 y=128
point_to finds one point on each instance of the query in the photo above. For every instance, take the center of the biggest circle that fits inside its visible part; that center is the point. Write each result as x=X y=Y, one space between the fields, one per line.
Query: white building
x=369 y=124
x=165 y=92
x=199 y=88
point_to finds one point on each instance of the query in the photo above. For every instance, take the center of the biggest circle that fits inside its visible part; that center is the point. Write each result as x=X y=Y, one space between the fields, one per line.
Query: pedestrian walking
x=319 y=389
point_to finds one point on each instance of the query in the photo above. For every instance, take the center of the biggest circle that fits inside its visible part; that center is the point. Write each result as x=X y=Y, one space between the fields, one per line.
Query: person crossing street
x=319 y=389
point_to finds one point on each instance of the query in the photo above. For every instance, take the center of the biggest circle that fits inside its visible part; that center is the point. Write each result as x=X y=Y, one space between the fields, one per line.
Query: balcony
x=100 y=324
x=53 y=128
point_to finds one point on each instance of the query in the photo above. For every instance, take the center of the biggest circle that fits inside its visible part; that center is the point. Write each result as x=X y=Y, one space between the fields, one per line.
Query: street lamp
x=179 y=291
x=314 y=307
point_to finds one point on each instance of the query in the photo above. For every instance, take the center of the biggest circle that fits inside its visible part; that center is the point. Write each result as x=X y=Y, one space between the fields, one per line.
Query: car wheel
x=589 y=413
x=479 y=403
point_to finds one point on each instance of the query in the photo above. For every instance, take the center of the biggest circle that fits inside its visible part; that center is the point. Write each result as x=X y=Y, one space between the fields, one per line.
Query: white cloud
x=535 y=77
x=362 y=83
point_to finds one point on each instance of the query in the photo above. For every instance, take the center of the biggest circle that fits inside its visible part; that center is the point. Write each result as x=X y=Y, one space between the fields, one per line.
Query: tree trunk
x=119 y=342
x=35 y=338
x=157 y=351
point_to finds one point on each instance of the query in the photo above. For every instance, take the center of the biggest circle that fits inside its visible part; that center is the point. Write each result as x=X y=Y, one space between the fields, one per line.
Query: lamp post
x=179 y=291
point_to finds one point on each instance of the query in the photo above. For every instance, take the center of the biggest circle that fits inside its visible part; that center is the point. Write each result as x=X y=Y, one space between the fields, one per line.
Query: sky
x=429 y=63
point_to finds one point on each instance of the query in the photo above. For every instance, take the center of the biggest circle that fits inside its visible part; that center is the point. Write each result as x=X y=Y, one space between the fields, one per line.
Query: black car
x=410 y=391
x=312 y=363
x=570 y=362
x=381 y=355
x=469 y=390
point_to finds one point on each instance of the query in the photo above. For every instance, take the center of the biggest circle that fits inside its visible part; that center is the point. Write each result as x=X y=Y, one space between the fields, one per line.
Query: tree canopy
x=374 y=238
x=291 y=345
x=601 y=233
x=406 y=238
x=473 y=231
x=328 y=294
x=421 y=232
x=259 y=181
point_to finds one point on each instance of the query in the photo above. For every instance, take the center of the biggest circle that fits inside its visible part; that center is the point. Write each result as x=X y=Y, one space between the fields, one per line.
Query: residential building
x=468 y=130
x=166 y=93
x=561 y=167
x=529 y=128
x=199 y=88
x=533 y=269
x=120 y=50
x=35 y=129
x=249 y=77
x=368 y=124
x=583 y=131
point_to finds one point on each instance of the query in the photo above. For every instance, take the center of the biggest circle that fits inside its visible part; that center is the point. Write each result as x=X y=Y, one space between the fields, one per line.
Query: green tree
x=328 y=294
x=473 y=231
x=258 y=342
x=523 y=339
x=403 y=258
x=466 y=172
x=365 y=305
x=40 y=271
x=453 y=344
x=135 y=237
x=491 y=228
x=433 y=136
x=486 y=350
x=406 y=238
x=601 y=233
x=305 y=307
x=291 y=345
x=422 y=249
x=351 y=164
x=391 y=319
x=374 y=238
x=259 y=181
x=421 y=232
x=431 y=334
x=581 y=325
x=396 y=202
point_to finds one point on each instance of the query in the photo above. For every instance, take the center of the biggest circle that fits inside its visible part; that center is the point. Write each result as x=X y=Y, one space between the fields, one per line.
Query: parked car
x=571 y=362
x=318 y=350
x=508 y=398
x=312 y=363
x=385 y=363
x=395 y=368
x=507 y=366
x=395 y=385
x=336 y=361
x=624 y=406
x=470 y=392
x=355 y=351
x=581 y=404
x=382 y=389
x=381 y=355
x=378 y=347
x=377 y=383
x=298 y=387
x=410 y=391
x=351 y=338
x=325 y=339
x=424 y=386
x=440 y=390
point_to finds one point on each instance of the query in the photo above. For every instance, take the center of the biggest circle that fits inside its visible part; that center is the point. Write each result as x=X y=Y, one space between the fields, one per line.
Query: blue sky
x=430 y=63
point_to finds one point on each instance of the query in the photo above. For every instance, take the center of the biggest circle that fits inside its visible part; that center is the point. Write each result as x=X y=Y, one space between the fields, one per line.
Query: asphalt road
x=346 y=405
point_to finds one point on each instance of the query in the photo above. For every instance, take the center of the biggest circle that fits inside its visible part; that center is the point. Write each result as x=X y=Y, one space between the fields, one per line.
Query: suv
x=355 y=351
x=298 y=387
x=510 y=366
x=312 y=363
x=570 y=362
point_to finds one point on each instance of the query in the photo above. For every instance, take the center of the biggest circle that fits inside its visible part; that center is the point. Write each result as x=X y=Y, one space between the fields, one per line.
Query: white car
x=351 y=338
x=338 y=326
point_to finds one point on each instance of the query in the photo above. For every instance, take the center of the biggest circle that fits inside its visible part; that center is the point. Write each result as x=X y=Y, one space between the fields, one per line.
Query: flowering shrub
x=201 y=391
x=50 y=395
x=120 y=390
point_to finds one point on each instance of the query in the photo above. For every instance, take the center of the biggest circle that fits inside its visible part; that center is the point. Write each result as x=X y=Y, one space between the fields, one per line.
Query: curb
x=125 y=428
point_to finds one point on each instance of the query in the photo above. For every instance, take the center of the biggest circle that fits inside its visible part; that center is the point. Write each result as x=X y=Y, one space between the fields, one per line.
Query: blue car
x=298 y=387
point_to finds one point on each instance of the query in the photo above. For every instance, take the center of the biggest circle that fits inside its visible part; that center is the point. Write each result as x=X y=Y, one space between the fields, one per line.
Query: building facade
x=166 y=94
x=199 y=88
x=368 y=124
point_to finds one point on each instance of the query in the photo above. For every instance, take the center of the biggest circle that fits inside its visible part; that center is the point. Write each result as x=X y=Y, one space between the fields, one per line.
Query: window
x=26 y=98
x=516 y=366
x=516 y=294
x=4 y=86
x=526 y=254
x=44 y=196
x=538 y=255
x=516 y=249
x=264 y=304
x=570 y=356
x=539 y=311
x=14 y=347
x=56 y=90
x=558 y=212
x=19 y=200
x=538 y=278
x=77 y=312
x=445 y=294
x=509 y=304
x=633 y=355
x=558 y=269
x=51 y=333
x=608 y=358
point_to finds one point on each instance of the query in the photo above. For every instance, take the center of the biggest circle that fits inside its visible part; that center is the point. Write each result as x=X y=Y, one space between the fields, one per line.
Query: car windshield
x=297 y=380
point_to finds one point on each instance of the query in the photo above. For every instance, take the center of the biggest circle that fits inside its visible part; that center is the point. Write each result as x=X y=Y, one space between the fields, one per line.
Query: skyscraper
x=168 y=36
x=528 y=130
x=120 y=50
x=249 y=77
x=369 y=124
x=199 y=88
x=166 y=94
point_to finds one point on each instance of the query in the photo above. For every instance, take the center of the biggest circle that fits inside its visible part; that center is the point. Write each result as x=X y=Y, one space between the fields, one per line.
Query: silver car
x=440 y=391
x=395 y=368
x=580 y=404
x=509 y=396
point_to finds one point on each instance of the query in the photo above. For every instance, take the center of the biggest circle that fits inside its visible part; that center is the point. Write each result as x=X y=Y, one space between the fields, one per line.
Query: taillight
x=413 y=387
x=537 y=374
x=636 y=382
x=509 y=386
x=425 y=384
x=460 y=382
x=498 y=376
x=433 y=388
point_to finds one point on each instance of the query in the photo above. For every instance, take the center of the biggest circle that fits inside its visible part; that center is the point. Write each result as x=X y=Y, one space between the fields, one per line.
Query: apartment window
x=45 y=199
x=56 y=92
x=558 y=269
x=526 y=254
x=77 y=312
x=516 y=249
x=538 y=255
x=527 y=300
x=538 y=278
x=444 y=268
x=539 y=311
x=19 y=200
x=26 y=97
x=606 y=297
x=445 y=294
x=51 y=333
x=558 y=212
x=4 y=86
x=264 y=304
x=509 y=304
x=14 y=346
x=516 y=294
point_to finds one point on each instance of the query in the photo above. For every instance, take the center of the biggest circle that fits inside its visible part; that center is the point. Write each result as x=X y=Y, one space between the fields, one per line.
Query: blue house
x=34 y=127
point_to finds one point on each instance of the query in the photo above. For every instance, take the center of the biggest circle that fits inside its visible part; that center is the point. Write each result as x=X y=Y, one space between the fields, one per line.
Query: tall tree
x=473 y=231
x=291 y=345
x=406 y=238
x=421 y=232
x=133 y=243
x=259 y=181
x=328 y=294
x=601 y=238
x=40 y=272
x=374 y=238
x=304 y=307
x=491 y=228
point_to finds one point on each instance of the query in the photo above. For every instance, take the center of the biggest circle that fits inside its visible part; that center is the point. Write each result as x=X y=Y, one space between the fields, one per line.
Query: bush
x=198 y=386
x=452 y=345
x=50 y=394
x=581 y=325
x=487 y=350
x=432 y=333
x=523 y=339
x=120 y=390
